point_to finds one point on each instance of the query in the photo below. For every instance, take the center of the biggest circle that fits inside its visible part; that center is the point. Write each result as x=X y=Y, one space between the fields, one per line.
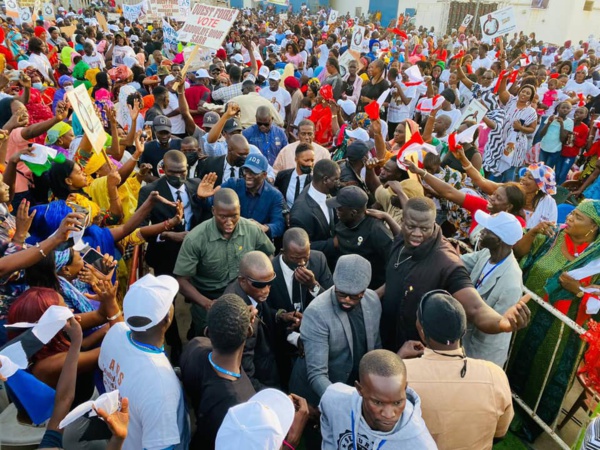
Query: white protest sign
x=25 y=15
x=184 y=10
x=169 y=35
x=165 y=8
x=498 y=23
x=347 y=57
x=135 y=12
x=82 y=105
x=358 y=35
x=333 y=16
x=207 y=25
x=475 y=112
x=283 y=16
x=465 y=23
x=201 y=60
x=113 y=17
x=48 y=11
x=12 y=9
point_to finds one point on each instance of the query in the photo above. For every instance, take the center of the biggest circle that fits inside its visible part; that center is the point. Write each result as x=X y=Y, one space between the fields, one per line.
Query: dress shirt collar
x=319 y=197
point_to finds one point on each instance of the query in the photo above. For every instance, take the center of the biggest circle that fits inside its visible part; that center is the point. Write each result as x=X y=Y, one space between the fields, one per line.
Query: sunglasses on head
x=260 y=284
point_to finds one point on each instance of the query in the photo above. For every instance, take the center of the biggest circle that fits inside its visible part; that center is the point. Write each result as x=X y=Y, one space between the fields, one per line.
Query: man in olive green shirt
x=210 y=256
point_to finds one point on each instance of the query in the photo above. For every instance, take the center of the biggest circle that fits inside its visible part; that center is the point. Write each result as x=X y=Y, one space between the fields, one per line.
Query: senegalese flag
x=42 y=158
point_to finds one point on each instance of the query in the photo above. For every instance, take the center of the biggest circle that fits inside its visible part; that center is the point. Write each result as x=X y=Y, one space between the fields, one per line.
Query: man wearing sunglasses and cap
x=480 y=387
x=253 y=285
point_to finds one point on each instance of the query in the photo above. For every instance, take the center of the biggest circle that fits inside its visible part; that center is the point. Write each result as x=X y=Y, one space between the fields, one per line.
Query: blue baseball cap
x=257 y=163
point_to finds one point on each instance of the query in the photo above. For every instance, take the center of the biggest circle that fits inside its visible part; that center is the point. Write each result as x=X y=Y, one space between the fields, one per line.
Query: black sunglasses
x=263 y=124
x=354 y=298
x=260 y=284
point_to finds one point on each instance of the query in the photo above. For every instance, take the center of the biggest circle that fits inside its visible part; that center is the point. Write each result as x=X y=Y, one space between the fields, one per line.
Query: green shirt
x=212 y=261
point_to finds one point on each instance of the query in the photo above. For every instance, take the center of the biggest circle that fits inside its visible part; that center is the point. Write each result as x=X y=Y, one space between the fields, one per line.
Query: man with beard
x=422 y=260
x=338 y=328
x=155 y=150
x=306 y=135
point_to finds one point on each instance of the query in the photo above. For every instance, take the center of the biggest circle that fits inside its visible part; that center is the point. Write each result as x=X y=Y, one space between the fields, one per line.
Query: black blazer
x=211 y=164
x=279 y=298
x=307 y=214
x=258 y=359
x=161 y=256
x=282 y=181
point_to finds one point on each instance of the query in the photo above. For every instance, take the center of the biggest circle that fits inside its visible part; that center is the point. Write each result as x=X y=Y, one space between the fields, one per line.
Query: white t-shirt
x=280 y=99
x=157 y=413
x=96 y=61
x=454 y=114
x=120 y=52
x=485 y=62
x=177 y=122
x=586 y=88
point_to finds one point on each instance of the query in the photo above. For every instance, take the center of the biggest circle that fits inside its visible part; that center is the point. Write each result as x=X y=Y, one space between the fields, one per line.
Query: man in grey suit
x=338 y=328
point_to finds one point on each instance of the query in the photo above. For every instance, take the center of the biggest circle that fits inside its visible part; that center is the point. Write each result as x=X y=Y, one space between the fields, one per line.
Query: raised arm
x=463 y=78
x=443 y=189
x=487 y=186
x=503 y=94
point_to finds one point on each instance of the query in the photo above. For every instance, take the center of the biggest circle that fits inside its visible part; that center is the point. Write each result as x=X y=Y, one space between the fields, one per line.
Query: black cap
x=357 y=150
x=449 y=95
x=351 y=196
x=161 y=123
x=232 y=125
x=442 y=317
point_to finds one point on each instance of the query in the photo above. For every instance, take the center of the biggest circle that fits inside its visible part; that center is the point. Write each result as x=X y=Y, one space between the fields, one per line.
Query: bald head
x=238 y=143
x=295 y=236
x=174 y=156
x=262 y=112
x=226 y=197
x=255 y=263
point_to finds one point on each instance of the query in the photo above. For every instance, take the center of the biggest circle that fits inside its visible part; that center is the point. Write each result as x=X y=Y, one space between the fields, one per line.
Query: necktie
x=297 y=295
x=232 y=172
x=179 y=199
x=297 y=187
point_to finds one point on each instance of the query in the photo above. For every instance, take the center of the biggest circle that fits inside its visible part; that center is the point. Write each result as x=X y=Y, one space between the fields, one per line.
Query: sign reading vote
x=207 y=25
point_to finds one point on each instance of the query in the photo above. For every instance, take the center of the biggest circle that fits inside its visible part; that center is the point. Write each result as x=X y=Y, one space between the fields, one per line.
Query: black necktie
x=297 y=187
x=232 y=172
x=297 y=295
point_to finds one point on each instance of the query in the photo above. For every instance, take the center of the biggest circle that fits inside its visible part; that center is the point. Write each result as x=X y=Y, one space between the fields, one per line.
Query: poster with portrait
x=333 y=16
x=358 y=35
x=498 y=23
x=540 y=4
x=474 y=112
x=48 y=11
x=465 y=23
x=82 y=105
x=12 y=9
x=25 y=15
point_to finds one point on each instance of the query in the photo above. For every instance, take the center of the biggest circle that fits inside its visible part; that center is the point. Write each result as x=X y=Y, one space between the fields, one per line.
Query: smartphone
x=94 y=259
x=81 y=223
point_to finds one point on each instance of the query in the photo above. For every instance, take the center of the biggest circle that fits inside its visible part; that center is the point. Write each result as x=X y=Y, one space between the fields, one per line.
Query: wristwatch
x=315 y=290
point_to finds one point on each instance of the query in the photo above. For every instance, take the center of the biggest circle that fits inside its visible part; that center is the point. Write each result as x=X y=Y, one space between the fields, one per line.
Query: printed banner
x=165 y=8
x=82 y=105
x=48 y=11
x=169 y=35
x=465 y=23
x=25 y=15
x=333 y=16
x=475 y=112
x=358 y=35
x=207 y=25
x=498 y=23
x=12 y=9
x=278 y=2
x=136 y=12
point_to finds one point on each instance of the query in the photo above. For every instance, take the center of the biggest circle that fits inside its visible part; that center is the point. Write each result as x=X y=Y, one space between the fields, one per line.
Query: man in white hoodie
x=381 y=412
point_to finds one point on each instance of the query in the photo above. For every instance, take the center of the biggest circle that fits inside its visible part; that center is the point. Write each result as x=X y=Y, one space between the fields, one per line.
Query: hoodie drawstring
x=354 y=434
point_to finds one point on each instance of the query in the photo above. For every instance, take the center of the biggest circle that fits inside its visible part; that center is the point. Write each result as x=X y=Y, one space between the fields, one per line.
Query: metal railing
x=550 y=429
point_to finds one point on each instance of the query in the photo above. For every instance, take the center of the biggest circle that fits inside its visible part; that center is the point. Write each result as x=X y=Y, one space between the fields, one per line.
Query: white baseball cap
x=202 y=73
x=259 y=424
x=360 y=134
x=238 y=58
x=503 y=224
x=150 y=297
x=274 y=75
x=348 y=106
x=263 y=71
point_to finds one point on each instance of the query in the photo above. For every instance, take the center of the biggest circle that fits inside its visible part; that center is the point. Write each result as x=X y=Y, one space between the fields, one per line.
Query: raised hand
x=113 y=178
x=62 y=111
x=155 y=197
x=232 y=109
x=117 y=422
x=68 y=224
x=207 y=188
x=23 y=222
x=517 y=317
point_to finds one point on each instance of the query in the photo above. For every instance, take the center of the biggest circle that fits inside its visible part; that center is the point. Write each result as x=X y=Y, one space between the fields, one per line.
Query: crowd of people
x=351 y=230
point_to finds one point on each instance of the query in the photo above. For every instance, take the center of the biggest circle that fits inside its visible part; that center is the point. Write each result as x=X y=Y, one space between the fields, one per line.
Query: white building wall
x=349 y=6
x=562 y=20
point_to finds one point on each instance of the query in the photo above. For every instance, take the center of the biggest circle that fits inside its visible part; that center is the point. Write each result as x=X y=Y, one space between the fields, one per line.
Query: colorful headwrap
x=64 y=79
x=58 y=130
x=90 y=162
x=80 y=69
x=591 y=208
x=362 y=120
x=39 y=31
x=543 y=175
x=120 y=73
x=61 y=258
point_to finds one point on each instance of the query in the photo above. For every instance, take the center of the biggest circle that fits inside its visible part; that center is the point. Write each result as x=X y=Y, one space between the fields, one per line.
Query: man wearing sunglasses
x=253 y=285
x=268 y=137
x=338 y=328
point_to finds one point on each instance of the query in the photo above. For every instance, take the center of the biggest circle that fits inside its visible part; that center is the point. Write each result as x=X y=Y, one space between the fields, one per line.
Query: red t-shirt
x=193 y=95
x=474 y=203
x=580 y=134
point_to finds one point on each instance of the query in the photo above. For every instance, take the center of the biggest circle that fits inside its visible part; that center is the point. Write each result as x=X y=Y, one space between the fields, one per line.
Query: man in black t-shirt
x=357 y=233
x=211 y=372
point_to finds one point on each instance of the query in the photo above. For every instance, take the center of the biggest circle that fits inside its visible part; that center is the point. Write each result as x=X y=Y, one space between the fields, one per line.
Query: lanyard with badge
x=482 y=278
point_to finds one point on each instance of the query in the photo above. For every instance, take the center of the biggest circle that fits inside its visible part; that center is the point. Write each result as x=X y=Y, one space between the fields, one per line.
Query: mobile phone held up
x=95 y=259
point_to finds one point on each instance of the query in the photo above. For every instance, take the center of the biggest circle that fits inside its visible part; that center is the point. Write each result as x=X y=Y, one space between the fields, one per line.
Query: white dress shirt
x=320 y=198
x=187 y=204
x=291 y=191
x=227 y=171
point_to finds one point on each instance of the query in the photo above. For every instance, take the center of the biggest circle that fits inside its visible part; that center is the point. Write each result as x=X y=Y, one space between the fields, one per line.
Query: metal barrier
x=565 y=321
x=137 y=264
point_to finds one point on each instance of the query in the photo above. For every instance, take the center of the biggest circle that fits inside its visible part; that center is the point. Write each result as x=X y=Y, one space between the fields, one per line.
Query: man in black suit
x=291 y=182
x=162 y=251
x=253 y=285
x=301 y=275
x=311 y=213
x=228 y=165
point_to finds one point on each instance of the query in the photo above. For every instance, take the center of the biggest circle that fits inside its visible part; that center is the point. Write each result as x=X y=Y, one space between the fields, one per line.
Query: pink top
x=16 y=143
